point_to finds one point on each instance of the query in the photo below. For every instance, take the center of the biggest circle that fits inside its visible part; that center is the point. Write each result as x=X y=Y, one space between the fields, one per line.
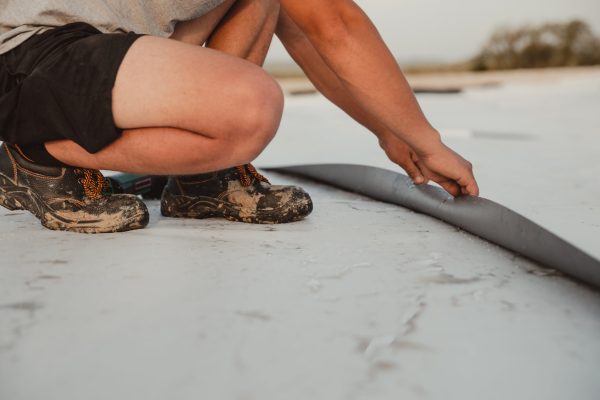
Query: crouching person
x=87 y=88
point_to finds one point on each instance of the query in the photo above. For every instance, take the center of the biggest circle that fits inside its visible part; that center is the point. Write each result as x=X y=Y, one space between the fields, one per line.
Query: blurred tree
x=549 y=45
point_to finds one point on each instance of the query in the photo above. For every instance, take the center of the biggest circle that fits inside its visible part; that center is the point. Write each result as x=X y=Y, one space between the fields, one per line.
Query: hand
x=452 y=172
x=402 y=154
x=439 y=164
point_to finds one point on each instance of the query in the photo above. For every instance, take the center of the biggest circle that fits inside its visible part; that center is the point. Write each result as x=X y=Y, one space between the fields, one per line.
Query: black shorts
x=58 y=85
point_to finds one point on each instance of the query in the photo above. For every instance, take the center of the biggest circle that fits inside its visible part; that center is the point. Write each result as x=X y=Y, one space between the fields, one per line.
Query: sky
x=453 y=30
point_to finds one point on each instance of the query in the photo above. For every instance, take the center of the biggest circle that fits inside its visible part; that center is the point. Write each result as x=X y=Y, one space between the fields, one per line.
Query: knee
x=265 y=111
x=259 y=116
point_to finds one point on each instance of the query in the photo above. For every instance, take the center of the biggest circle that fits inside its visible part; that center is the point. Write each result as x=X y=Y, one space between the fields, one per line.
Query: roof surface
x=362 y=300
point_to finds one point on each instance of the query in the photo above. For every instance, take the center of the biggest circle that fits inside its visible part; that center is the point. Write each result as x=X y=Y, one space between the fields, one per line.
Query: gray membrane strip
x=479 y=216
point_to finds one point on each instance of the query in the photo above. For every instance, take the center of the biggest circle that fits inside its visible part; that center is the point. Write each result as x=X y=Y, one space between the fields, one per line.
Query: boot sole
x=14 y=197
x=179 y=206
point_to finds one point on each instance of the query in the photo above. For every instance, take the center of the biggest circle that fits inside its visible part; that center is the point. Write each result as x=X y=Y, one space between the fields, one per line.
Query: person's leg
x=242 y=28
x=239 y=194
x=197 y=31
x=185 y=109
x=247 y=30
x=194 y=136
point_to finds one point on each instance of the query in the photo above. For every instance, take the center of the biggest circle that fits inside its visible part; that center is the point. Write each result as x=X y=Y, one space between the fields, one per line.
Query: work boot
x=65 y=198
x=237 y=194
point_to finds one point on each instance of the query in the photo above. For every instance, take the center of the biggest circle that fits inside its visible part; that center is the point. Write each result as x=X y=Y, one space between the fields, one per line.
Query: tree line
x=549 y=45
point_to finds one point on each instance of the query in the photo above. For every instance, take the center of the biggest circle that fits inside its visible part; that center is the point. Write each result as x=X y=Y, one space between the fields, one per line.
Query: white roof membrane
x=361 y=300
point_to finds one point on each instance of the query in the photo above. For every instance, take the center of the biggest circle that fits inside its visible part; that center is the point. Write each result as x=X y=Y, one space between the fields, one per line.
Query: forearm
x=350 y=46
x=324 y=79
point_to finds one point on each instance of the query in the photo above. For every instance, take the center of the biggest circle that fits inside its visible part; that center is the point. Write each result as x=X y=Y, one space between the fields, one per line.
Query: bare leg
x=197 y=31
x=244 y=29
x=247 y=30
x=186 y=109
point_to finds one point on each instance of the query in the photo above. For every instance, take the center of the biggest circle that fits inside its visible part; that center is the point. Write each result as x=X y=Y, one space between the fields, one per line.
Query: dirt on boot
x=64 y=198
x=237 y=194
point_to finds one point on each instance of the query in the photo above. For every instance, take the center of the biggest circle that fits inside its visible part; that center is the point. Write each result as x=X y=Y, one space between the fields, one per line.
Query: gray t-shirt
x=19 y=19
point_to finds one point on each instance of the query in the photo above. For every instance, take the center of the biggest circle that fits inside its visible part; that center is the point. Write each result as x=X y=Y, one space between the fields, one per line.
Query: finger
x=414 y=157
x=472 y=189
x=425 y=173
x=451 y=187
x=414 y=172
x=469 y=185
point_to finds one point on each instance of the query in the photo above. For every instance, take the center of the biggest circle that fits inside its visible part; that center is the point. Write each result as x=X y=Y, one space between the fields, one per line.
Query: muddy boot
x=238 y=194
x=64 y=198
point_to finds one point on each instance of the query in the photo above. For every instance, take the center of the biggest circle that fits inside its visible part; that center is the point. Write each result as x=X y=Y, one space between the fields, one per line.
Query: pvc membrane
x=477 y=215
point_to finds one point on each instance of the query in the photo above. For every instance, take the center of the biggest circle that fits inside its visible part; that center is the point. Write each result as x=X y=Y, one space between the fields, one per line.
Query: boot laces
x=95 y=185
x=247 y=172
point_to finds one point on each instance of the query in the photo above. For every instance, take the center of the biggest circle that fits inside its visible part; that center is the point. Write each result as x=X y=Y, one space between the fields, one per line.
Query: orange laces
x=246 y=179
x=93 y=182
